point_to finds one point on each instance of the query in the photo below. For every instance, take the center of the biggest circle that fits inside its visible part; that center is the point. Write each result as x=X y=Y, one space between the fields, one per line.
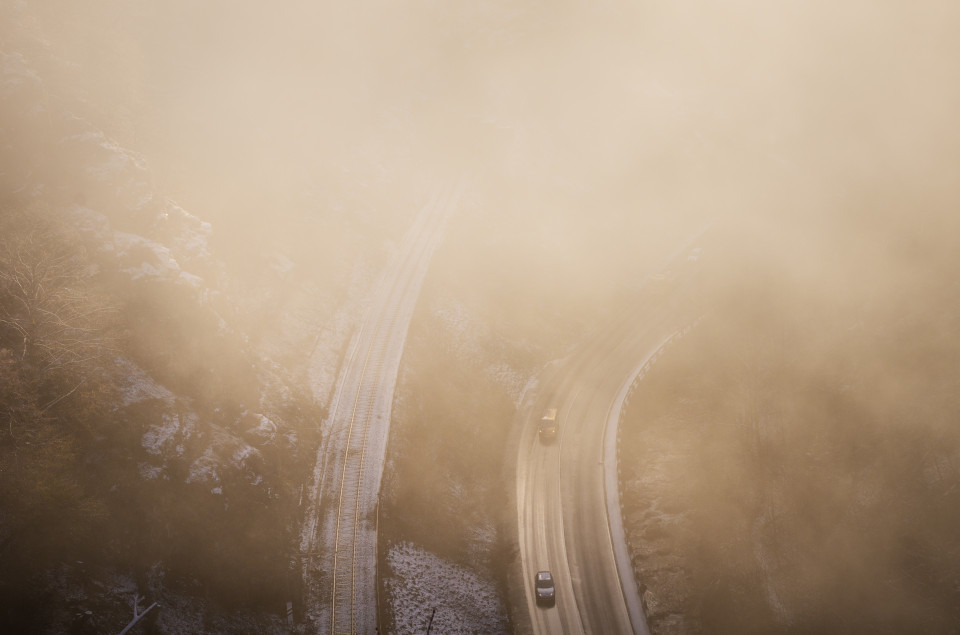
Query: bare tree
x=50 y=322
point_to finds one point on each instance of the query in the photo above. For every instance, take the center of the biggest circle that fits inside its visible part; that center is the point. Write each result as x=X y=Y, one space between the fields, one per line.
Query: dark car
x=543 y=584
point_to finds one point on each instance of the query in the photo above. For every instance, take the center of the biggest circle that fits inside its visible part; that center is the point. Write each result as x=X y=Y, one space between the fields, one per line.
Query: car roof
x=544 y=575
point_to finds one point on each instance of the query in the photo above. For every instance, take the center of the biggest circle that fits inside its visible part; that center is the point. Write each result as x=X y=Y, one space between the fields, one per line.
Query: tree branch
x=64 y=396
x=136 y=616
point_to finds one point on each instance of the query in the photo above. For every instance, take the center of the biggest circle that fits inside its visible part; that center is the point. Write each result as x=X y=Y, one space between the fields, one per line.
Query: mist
x=277 y=155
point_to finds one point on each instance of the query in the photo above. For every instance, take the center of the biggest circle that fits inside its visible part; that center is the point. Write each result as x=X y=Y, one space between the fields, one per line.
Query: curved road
x=562 y=510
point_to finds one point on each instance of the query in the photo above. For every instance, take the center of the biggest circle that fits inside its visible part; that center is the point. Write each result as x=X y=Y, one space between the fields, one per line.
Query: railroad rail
x=341 y=569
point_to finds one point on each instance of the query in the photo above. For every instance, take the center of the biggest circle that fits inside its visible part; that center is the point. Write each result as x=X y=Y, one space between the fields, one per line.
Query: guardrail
x=615 y=512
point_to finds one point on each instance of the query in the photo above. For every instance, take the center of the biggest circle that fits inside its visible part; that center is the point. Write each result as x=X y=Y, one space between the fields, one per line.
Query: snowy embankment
x=446 y=517
x=425 y=584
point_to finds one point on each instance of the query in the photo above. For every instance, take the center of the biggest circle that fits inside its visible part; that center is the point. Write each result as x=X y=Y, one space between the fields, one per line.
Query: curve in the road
x=581 y=534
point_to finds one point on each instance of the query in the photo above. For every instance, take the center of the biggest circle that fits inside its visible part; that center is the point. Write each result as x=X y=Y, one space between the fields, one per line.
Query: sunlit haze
x=335 y=317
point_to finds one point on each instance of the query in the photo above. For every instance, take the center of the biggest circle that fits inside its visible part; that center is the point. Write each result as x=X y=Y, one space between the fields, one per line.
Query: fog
x=808 y=119
x=818 y=141
x=743 y=111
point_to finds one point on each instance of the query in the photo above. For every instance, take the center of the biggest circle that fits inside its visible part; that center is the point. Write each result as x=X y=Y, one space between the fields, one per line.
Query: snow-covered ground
x=422 y=582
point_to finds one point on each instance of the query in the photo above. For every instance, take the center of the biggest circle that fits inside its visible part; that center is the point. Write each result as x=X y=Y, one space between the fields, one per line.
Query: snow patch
x=92 y=222
x=191 y=280
x=145 y=259
x=528 y=388
x=149 y=472
x=241 y=454
x=204 y=470
x=264 y=431
x=510 y=379
x=157 y=261
x=192 y=234
x=139 y=386
x=160 y=437
x=422 y=581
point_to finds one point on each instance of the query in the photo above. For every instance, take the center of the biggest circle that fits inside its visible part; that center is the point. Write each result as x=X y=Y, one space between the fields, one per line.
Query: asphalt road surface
x=564 y=525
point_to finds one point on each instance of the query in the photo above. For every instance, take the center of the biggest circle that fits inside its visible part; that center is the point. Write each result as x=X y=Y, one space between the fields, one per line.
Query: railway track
x=339 y=534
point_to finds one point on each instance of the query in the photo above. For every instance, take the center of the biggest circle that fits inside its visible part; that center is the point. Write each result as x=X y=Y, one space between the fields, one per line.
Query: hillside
x=793 y=463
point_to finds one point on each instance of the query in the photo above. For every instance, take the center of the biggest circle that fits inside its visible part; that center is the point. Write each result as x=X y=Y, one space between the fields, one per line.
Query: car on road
x=544 y=588
x=548 y=424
